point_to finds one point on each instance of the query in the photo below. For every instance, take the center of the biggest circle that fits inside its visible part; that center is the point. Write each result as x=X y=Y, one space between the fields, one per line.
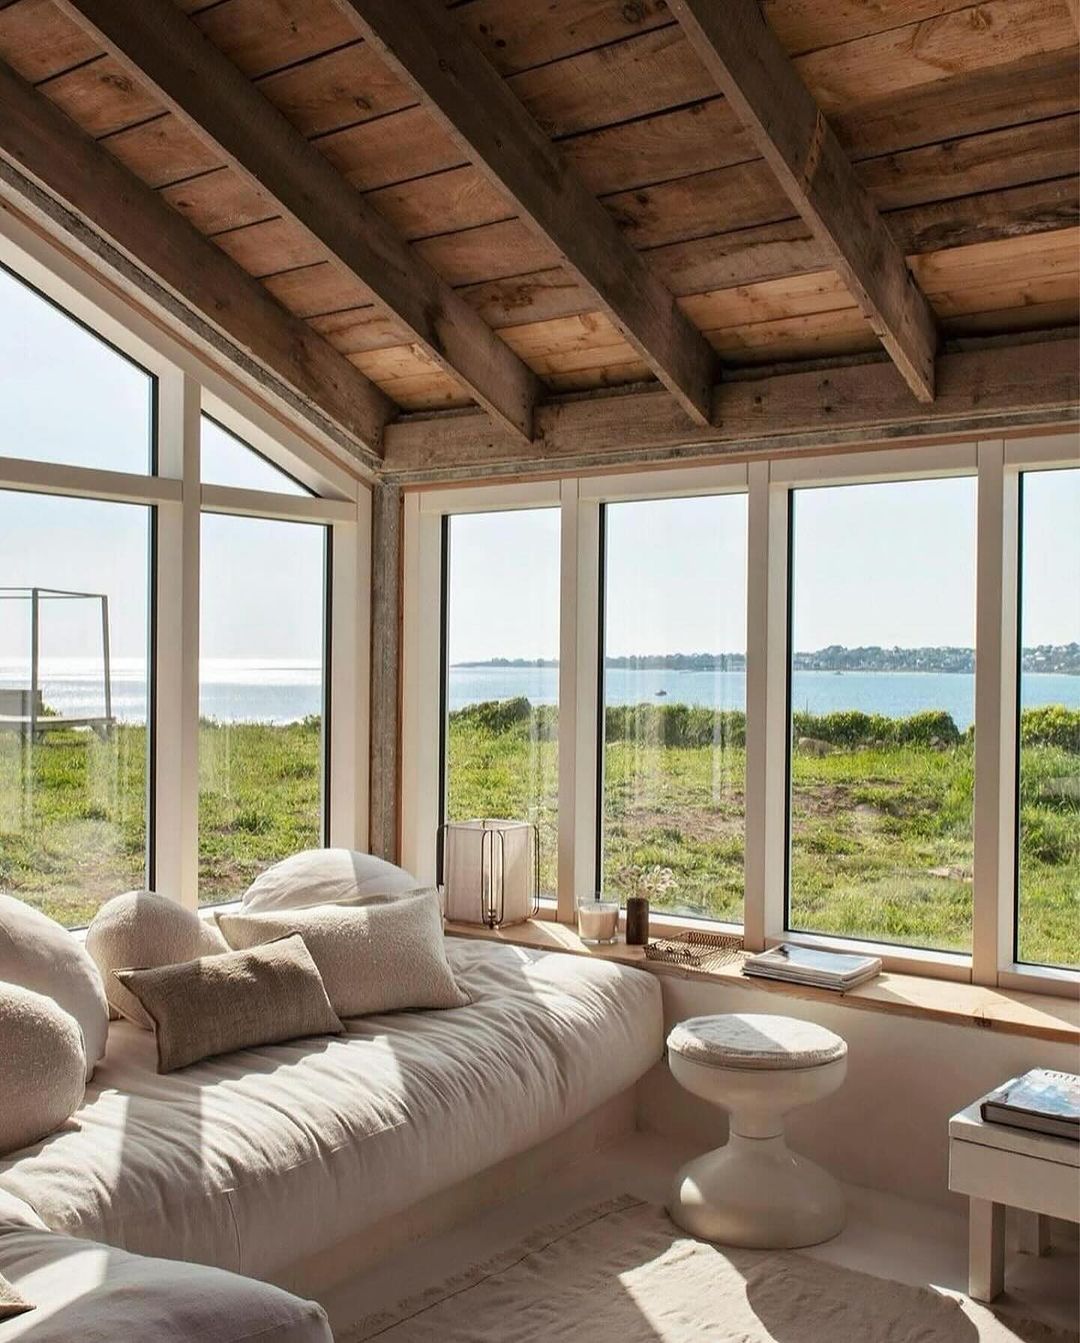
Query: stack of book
x=834 y=970
x=1041 y=1101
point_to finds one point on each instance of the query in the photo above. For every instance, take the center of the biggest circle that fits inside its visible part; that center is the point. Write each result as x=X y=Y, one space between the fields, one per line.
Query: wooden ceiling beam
x=755 y=73
x=49 y=149
x=429 y=48
x=165 y=50
x=1007 y=383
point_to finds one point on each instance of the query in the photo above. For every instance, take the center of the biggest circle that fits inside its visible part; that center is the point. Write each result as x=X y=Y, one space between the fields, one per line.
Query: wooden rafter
x=429 y=48
x=740 y=51
x=50 y=149
x=1013 y=383
x=164 y=49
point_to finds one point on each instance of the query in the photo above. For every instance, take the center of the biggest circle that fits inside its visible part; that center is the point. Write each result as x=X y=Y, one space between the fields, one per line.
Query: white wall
x=886 y=1128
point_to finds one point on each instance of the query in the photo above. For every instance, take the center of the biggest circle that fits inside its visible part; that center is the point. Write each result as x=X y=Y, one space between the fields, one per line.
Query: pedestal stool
x=755 y=1191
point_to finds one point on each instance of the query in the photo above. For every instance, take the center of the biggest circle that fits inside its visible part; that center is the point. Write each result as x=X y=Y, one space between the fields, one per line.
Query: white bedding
x=254 y=1160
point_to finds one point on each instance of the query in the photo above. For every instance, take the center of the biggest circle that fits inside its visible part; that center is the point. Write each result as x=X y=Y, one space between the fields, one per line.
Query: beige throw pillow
x=377 y=958
x=142 y=930
x=236 y=1000
x=42 y=1067
x=327 y=877
x=42 y=955
x=12 y=1302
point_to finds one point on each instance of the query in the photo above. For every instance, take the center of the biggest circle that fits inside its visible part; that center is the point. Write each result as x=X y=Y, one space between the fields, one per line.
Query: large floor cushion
x=255 y=1160
x=97 y=1294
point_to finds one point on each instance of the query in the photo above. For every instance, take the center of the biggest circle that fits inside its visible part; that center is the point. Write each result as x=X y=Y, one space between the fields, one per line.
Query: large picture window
x=1048 y=867
x=881 y=756
x=262 y=700
x=673 y=729
x=501 y=685
x=74 y=635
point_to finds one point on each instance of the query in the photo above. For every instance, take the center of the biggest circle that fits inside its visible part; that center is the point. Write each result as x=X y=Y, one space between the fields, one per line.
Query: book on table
x=1041 y=1101
x=794 y=964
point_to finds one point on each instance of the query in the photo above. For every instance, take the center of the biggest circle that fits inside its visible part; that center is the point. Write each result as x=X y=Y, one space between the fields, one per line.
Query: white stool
x=755 y=1191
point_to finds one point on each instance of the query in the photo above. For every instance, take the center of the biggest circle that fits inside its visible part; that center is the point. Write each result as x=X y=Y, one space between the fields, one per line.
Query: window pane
x=261 y=678
x=227 y=460
x=502 y=659
x=674 y=694
x=66 y=396
x=73 y=757
x=1048 y=924
x=882 y=699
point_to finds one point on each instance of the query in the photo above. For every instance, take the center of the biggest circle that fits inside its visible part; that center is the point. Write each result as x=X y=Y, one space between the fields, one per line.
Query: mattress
x=256 y=1159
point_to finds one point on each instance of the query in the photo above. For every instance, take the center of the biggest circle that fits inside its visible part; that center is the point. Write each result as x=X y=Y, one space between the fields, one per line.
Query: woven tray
x=697 y=951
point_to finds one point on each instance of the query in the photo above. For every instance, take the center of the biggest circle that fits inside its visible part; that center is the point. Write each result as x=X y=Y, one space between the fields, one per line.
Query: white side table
x=999 y=1167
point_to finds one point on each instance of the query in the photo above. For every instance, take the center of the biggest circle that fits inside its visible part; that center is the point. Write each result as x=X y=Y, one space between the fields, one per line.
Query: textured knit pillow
x=42 y=1066
x=40 y=954
x=144 y=930
x=377 y=958
x=327 y=877
x=235 y=1000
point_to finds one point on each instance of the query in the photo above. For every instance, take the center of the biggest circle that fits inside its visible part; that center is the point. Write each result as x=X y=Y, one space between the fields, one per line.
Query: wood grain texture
x=39 y=139
x=1038 y=379
x=202 y=87
x=743 y=54
x=475 y=107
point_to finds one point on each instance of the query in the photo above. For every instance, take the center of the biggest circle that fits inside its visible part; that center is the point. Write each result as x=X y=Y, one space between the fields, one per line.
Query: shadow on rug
x=622 y=1272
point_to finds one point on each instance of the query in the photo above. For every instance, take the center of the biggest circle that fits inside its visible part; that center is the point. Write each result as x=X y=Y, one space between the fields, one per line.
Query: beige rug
x=621 y=1272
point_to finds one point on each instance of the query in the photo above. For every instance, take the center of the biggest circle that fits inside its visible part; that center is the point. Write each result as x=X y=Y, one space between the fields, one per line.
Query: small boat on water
x=660 y=694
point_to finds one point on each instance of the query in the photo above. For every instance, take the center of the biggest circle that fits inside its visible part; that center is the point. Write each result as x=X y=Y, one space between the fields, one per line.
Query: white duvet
x=257 y=1159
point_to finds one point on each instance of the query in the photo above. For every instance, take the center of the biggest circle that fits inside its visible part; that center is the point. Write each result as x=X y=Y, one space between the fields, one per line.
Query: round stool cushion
x=749 y=1040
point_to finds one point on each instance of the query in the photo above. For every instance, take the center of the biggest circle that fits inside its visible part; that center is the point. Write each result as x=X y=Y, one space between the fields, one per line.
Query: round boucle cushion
x=749 y=1040
x=327 y=877
x=142 y=931
x=42 y=1066
x=42 y=955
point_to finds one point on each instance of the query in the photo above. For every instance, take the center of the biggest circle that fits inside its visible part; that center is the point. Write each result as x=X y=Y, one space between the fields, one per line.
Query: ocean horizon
x=284 y=691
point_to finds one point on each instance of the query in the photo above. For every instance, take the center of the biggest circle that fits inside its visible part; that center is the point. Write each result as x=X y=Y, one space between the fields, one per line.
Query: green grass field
x=881 y=827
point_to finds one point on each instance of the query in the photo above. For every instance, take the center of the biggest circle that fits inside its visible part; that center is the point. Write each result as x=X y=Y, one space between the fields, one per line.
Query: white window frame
x=994 y=463
x=187 y=387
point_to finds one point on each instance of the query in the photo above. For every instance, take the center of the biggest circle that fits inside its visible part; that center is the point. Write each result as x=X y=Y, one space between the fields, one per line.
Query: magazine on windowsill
x=794 y=964
x=1041 y=1101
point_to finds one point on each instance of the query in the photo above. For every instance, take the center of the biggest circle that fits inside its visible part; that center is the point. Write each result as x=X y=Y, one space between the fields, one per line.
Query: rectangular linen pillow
x=234 y=1000
x=372 y=958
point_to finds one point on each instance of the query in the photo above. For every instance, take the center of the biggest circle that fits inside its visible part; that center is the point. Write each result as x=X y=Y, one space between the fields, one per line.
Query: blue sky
x=885 y=564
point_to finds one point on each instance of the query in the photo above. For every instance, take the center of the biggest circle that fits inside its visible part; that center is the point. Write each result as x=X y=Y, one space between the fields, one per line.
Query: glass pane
x=674 y=694
x=73 y=720
x=227 y=460
x=503 y=673
x=261 y=680
x=882 y=699
x=66 y=396
x=1048 y=924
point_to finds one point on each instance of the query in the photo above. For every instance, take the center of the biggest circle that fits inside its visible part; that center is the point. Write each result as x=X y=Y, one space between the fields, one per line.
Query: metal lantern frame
x=492 y=901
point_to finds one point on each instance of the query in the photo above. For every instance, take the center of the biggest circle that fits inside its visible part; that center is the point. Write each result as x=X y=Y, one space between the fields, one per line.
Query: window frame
x=186 y=387
x=995 y=463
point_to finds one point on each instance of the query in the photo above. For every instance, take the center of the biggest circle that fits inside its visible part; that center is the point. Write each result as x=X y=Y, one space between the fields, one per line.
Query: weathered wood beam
x=385 y=787
x=1002 y=383
x=428 y=47
x=746 y=59
x=165 y=50
x=45 y=145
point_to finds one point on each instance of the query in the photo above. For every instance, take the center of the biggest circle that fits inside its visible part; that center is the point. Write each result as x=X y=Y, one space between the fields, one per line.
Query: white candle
x=598 y=921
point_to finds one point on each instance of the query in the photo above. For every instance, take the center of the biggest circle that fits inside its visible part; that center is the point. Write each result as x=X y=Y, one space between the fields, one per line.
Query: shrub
x=850 y=728
x=1051 y=725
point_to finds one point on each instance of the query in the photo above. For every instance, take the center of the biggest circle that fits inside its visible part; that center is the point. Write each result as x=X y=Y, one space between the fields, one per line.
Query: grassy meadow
x=881 y=813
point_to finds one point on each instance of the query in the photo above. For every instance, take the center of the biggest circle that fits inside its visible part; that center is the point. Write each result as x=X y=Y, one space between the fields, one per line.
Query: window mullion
x=995 y=714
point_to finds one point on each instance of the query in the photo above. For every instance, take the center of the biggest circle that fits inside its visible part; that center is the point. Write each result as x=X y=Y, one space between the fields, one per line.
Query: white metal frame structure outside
x=188 y=387
x=996 y=464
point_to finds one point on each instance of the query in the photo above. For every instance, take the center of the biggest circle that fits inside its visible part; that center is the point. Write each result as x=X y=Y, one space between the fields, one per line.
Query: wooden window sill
x=1036 y=1016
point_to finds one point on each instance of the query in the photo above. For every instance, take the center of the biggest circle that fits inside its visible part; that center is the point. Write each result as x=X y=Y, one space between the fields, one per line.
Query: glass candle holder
x=598 y=920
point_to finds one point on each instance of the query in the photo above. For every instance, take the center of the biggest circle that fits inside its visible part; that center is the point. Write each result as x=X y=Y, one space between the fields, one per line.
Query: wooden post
x=385 y=669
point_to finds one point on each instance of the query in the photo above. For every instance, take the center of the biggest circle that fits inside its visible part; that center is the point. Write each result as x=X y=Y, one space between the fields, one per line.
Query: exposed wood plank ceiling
x=960 y=121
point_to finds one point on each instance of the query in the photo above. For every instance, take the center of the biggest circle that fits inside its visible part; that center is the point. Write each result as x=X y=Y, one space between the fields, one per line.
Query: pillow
x=42 y=1066
x=144 y=930
x=327 y=877
x=41 y=954
x=234 y=1000
x=380 y=958
x=12 y=1303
